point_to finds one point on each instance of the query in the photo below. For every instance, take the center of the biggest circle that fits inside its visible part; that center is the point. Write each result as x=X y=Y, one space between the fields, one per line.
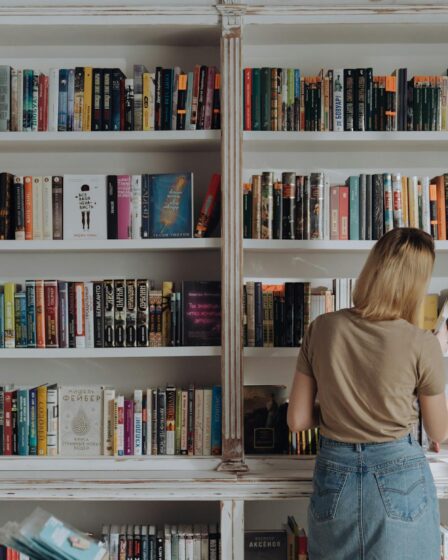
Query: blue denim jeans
x=373 y=501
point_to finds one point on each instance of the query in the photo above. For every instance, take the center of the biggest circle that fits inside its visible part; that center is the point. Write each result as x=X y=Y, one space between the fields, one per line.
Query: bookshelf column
x=231 y=251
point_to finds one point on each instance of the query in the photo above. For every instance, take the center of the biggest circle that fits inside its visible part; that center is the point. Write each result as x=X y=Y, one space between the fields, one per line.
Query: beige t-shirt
x=368 y=374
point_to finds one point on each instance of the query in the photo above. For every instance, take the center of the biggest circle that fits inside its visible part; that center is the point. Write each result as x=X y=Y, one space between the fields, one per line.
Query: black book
x=369 y=207
x=7 y=226
x=216 y=114
x=129 y=105
x=306 y=208
x=71 y=315
x=349 y=99
x=202 y=97
x=201 y=313
x=161 y=422
x=299 y=307
x=112 y=213
x=108 y=299
x=277 y=214
x=410 y=105
x=115 y=98
x=120 y=312
x=142 y=312
x=369 y=99
x=247 y=211
x=289 y=314
x=265 y=91
x=158 y=99
x=106 y=101
x=14 y=424
x=160 y=546
x=298 y=226
x=362 y=207
x=377 y=206
x=359 y=99
x=288 y=205
x=265 y=545
x=129 y=543
x=258 y=309
x=19 y=208
x=308 y=101
x=97 y=99
x=131 y=312
x=167 y=98
x=98 y=315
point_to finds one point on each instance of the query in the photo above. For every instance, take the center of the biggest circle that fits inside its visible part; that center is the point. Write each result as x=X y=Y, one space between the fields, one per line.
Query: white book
x=284 y=107
x=19 y=100
x=189 y=547
x=88 y=319
x=197 y=542
x=108 y=421
x=52 y=420
x=81 y=412
x=38 y=232
x=426 y=220
x=182 y=551
x=413 y=201
x=114 y=542
x=14 y=100
x=85 y=209
x=204 y=543
x=338 y=100
x=138 y=432
x=167 y=541
x=152 y=100
x=397 y=199
x=207 y=423
x=53 y=99
x=198 y=420
x=47 y=208
x=148 y=420
x=136 y=222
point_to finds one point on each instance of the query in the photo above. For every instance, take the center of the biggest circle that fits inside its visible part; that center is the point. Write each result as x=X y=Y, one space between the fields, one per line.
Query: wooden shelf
x=94 y=353
x=316 y=246
x=110 y=245
x=344 y=141
x=123 y=141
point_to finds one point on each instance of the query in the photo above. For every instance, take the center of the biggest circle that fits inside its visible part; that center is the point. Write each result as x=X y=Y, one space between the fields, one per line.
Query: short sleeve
x=304 y=359
x=430 y=369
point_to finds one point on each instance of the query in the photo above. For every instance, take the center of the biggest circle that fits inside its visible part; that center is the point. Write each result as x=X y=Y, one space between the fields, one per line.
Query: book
x=209 y=213
x=201 y=313
x=85 y=207
x=265 y=545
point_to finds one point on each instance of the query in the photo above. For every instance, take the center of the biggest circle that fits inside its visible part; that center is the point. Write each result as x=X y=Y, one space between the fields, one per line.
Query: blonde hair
x=395 y=277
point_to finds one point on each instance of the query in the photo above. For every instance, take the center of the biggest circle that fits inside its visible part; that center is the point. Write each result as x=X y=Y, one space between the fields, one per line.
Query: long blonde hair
x=395 y=277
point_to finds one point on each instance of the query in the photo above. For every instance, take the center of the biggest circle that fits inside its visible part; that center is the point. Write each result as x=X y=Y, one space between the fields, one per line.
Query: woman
x=374 y=496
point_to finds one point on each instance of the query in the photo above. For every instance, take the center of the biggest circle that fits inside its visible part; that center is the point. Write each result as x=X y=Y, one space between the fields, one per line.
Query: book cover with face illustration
x=85 y=215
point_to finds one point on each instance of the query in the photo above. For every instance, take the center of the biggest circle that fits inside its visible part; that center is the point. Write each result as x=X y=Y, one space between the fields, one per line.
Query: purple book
x=128 y=427
x=124 y=206
x=209 y=98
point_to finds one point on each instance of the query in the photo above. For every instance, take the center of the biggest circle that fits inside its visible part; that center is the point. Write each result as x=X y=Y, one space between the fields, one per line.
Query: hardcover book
x=171 y=206
x=80 y=410
x=85 y=215
x=201 y=316
x=265 y=427
x=265 y=545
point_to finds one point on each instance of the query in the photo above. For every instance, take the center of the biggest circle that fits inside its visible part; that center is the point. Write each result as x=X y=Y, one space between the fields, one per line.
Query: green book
x=265 y=89
x=353 y=185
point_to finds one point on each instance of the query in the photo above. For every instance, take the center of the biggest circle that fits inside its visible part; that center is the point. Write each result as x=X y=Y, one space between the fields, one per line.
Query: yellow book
x=429 y=312
x=87 y=106
x=148 y=100
x=404 y=199
x=10 y=331
x=42 y=420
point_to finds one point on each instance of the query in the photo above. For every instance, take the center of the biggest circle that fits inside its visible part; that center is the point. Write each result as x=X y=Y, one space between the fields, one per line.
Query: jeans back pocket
x=328 y=484
x=403 y=489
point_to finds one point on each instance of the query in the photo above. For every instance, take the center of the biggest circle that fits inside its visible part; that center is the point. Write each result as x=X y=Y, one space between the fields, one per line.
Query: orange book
x=28 y=188
x=42 y=420
x=441 y=215
x=40 y=314
x=405 y=200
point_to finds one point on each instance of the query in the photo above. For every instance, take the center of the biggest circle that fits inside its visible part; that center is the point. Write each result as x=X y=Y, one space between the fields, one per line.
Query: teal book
x=256 y=99
x=28 y=78
x=353 y=185
x=30 y=287
x=171 y=205
x=33 y=420
x=189 y=101
x=216 y=431
x=23 y=425
x=20 y=320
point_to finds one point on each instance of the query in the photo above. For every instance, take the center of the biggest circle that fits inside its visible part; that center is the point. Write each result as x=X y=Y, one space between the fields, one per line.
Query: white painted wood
x=63 y=353
x=232 y=529
x=316 y=246
x=110 y=245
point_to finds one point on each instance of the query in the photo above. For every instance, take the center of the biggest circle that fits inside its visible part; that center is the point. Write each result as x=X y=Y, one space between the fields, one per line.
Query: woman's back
x=368 y=374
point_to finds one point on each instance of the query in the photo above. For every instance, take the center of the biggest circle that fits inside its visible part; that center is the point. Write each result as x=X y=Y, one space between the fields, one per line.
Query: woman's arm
x=303 y=412
x=435 y=416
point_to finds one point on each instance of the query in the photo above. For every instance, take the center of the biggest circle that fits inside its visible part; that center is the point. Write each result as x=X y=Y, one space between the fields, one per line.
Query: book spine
x=288 y=205
x=338 y=100
x=119 y=426
x=433 y=210
x=378 y=210
x=139 y=70
x=216 y=421
x=181 y=111
x=128 y=427
x=71 y=312
x=10 y=331
x=87 y=102
x=88 y=300
x=40 y=313
x=397 y=200
x=37 y=208
x=354 y=207
x=129 y=103
x=424 y=211
x=258 y=310
x=120 y=313
x=198 y=421
x=62 y=99
x=247 y=210
x=78 y=99
x=142 y=312
x=369 y=206
x=20 y=320
x=208 y=207
x=70 y=100
x=109 y=313
x=277 y=210
x=441 y=203
x=267 y=205
x=138 y=422
x=136 y=198
x=348 y=99
x=207 y=421
x=202 y=97
x=14 y=100
x=154 y=422
x=256 y=206
x=51 y=314
x=131 y=312
x=316 y=206
x=80 y=315
x=53 y=99
x=190 y=421
x=42 y=420
x=2 y=323
x=23 y=422
x=124 y=207
x=161 y=422
x=97 y=101
x=108 y=421
x=28 y=187
x=7 y=416
x=112 y=207
x=57 y=204
x=47 y=208
x=52 y=421
x=33 y=421
x=63 y=314
x=388 y=203
x=30 y=288
x=170 y=421
x=19 y=208
x=343 y=212
x=210 y=86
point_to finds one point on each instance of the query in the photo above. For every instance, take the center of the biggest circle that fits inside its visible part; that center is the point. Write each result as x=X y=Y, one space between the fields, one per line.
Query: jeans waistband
x=327 y=442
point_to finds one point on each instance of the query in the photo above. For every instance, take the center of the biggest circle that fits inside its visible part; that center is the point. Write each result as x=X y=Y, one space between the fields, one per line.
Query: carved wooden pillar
x=231 y=233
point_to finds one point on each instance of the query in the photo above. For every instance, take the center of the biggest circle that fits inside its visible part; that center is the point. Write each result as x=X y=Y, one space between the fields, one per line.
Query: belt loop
x=358 y=447
x=411 y=441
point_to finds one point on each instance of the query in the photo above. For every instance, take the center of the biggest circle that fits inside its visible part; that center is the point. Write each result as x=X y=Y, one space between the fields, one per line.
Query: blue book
x=31 y=313
x=63 y=99
x=353 y=185
x=23 y=426
x=170 y=205
x=2 y=320
x=33 y=421
x=296 y=99
x=71 y=99
x=20 y=320
x=189 y=101
x=167 y=97
x=216 y=431
x=116 y=77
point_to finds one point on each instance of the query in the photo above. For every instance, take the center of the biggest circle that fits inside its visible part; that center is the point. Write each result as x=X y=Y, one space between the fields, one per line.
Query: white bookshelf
x=96 y=353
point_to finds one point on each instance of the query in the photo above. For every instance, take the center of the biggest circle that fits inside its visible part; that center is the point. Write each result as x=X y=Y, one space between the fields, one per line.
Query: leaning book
x=85 y=215
x=80 y=412
x=41 y=536
x=265 y=545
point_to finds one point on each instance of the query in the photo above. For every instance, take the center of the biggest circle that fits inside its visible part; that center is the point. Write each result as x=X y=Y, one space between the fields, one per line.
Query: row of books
x=92 y=99
x=364 y=208
x=266 y=430
x=290 y=543
x=88 y=207
x=81 y=421
x=279 y=314
x=170 y=542
x=109 y=313
x=348 y=99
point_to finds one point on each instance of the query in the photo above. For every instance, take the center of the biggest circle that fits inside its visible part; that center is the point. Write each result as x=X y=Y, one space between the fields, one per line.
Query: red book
x=209 y=98
x=40 y=314
x=40 y=103
x=51 y=314
x=128 y=427
x=7 y=433
x=248 y=99
x=124 y=206
x=343 y=212
x=209 y=206
x=302 y=545
x=45 y=103
x=334 y=212
x=441 y=216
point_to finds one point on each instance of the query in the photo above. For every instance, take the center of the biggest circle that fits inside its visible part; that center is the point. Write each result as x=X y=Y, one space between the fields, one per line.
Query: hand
x=442 y=336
